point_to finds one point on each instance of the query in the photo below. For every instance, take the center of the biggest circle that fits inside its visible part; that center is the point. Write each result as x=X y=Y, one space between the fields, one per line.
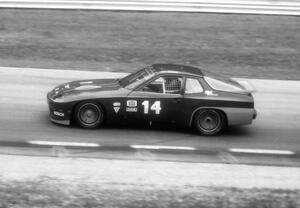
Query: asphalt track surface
x=24 y=116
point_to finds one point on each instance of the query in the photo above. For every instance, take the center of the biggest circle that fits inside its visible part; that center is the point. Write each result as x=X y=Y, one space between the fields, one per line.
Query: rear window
x=222 y=83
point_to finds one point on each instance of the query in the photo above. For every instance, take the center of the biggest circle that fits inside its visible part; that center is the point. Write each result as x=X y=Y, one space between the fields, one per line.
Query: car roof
x=176 y=68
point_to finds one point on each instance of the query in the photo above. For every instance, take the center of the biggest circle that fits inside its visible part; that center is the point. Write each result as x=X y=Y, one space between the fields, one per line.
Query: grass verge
x=254 y=46
x=48 y=192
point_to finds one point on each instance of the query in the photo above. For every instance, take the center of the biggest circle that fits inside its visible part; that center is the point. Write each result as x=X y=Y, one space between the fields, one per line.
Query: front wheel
x=89 y=115
x=209 y=122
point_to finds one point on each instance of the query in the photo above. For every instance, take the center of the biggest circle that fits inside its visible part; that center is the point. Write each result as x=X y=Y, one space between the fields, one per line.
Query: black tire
x=209 y=122
x=89 y=115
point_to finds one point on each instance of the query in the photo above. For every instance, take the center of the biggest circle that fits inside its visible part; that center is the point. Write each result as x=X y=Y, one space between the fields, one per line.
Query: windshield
x=136 y=78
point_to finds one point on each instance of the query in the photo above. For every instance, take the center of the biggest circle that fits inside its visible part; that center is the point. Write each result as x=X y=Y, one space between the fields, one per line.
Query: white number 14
x=155 y=107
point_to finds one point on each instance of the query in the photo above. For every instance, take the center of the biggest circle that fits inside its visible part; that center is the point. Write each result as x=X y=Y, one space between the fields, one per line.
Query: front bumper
x=62 y=122
x=60 y=113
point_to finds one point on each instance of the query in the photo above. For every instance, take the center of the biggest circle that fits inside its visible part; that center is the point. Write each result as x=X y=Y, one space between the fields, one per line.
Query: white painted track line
x=263 y=151
x=158 y=147
x=162 y=147
x=73 y=144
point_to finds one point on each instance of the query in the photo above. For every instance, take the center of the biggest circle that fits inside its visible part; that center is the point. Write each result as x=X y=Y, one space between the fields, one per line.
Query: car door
x=157 y=101
x=194 y=98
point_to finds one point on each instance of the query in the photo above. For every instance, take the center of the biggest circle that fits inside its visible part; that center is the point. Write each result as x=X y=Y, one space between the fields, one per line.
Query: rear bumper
x=240 y=116
x=254 y=114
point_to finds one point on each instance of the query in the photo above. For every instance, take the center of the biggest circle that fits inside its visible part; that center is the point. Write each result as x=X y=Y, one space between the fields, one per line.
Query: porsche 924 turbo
x=161 y=93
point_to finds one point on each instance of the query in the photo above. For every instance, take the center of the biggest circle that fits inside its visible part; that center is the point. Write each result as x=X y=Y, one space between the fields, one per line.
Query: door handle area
x=176 y=100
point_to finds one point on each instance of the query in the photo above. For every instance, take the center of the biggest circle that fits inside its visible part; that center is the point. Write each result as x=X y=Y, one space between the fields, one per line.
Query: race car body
x=161 y=93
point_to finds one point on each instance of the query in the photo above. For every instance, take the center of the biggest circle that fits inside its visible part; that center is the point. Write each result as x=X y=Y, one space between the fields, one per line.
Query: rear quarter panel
x=238 y=108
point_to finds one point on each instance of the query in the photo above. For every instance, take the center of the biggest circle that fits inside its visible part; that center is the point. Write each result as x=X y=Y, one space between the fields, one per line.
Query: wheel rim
x=209 y=120
x=89 y=114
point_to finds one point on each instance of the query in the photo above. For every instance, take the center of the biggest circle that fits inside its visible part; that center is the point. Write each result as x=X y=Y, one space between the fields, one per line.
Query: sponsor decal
x=210 y=93
x=131 y=109
x=131 y=103
x=116 y=106
x=58 y=113
x=116 y=109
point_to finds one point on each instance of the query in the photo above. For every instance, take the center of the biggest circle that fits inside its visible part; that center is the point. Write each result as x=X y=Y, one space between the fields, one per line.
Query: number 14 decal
x=155 y=107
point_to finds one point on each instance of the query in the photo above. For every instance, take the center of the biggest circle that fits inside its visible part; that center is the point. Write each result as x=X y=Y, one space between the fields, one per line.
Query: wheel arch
x=222 y=111
x=87 y=101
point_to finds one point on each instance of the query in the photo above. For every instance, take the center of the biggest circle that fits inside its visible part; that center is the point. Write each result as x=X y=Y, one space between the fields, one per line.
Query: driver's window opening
x=169 y=85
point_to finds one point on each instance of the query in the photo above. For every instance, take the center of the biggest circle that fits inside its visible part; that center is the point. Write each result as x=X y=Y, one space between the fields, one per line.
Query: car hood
x=81 y=86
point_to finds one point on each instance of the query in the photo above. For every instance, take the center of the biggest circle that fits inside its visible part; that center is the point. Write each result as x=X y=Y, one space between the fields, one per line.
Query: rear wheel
x=209 y=122
x=89 y=115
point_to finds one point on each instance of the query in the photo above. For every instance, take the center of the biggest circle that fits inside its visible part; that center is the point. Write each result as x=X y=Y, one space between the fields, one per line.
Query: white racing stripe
x=263 y=151
x=162 y=147
x=55 y=143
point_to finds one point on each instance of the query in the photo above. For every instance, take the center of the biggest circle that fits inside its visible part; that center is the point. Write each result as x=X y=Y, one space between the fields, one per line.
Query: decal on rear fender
x=210 y=93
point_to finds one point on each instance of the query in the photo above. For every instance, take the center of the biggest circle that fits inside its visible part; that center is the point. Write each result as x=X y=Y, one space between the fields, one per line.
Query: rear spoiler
x=246 y=84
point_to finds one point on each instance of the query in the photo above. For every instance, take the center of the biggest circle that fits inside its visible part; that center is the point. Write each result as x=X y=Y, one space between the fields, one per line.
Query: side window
x=155 y=86
x=192 y=86
x=169 y=85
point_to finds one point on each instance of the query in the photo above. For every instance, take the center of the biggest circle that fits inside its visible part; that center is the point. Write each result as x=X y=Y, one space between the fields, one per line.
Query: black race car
x=160 y=93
